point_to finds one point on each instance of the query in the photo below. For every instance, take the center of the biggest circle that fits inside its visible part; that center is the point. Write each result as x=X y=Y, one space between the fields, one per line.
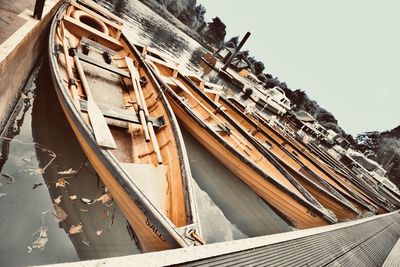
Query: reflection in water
x=215 y=226
x=241 y=206
x=15 y=130
x=30 y=231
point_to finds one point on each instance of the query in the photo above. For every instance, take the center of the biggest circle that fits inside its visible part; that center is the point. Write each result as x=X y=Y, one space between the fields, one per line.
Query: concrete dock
x=366 y=242
x=23 y=40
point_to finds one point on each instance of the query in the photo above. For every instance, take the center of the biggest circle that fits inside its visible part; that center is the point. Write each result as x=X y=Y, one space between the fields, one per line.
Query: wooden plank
x=102 y=10
x=96 y=63
x=131 y=67
x=160 y=54
x=100 y=128
x=120 y=114
x=68 y=67
x=214 y=85
x=139 y=91
x=94 y=14
x=80 y=29
x=98 y=46
x=162 y=62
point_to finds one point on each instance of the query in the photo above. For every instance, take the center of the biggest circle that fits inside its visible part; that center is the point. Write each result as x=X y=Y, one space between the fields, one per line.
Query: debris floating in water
x=40 y=242
x=36 y=185
x=98 y=232
x=10 y=179
x=75 y=229
x=73 y=197
x=70 y=171
x=38 y=171
x=113 y=217
x=3 y=194
x=41 y=237
x=87 y=201
x=61 y=182
x=105 y=198
x=60 y=214
x=57 y=200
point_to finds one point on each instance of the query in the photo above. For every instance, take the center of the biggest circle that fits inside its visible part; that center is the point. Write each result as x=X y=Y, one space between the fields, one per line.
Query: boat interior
x=104 y=77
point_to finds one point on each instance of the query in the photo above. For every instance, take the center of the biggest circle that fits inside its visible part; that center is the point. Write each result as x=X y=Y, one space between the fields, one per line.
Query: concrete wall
x=19 y=54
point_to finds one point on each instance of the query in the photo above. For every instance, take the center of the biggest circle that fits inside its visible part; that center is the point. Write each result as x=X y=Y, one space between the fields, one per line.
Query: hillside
x=188 y=16
x=383 y=147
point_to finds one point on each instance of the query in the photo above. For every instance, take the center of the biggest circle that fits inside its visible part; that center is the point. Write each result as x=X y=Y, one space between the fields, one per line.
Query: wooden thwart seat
x=92 y=43
x=123 y=115
x=102 y=65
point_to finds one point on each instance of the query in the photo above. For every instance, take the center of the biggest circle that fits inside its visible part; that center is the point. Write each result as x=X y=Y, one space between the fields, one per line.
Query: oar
x=71 y=81
x=100 y=128
x=142 y=102
x=141 y=113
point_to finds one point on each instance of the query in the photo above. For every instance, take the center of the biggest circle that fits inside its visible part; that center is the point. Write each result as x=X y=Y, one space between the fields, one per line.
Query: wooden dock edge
x=364 y=242
x=19 y=55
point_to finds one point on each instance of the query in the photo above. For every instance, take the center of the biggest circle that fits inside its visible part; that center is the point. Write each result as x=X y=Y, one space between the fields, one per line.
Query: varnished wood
x=330 y=199
x=224 y=141
x=155 y=215
x=100 y=128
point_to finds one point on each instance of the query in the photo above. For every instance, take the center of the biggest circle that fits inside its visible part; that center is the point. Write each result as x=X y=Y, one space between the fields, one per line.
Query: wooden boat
x=327 y=195
x=202 y=118
x=321 y=189
x=124 y=124
x=343 y=183
x=338 y=169
x=359 y=180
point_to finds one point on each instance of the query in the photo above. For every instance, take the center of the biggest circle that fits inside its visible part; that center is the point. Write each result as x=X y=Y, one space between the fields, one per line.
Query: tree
x=215 y=32
x=233 y=42
x=326 y=116
x=368 y=142
x=258 y=67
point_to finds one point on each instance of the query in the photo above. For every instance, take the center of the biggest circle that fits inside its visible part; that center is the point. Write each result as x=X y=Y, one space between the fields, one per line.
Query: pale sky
x=344 y=54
